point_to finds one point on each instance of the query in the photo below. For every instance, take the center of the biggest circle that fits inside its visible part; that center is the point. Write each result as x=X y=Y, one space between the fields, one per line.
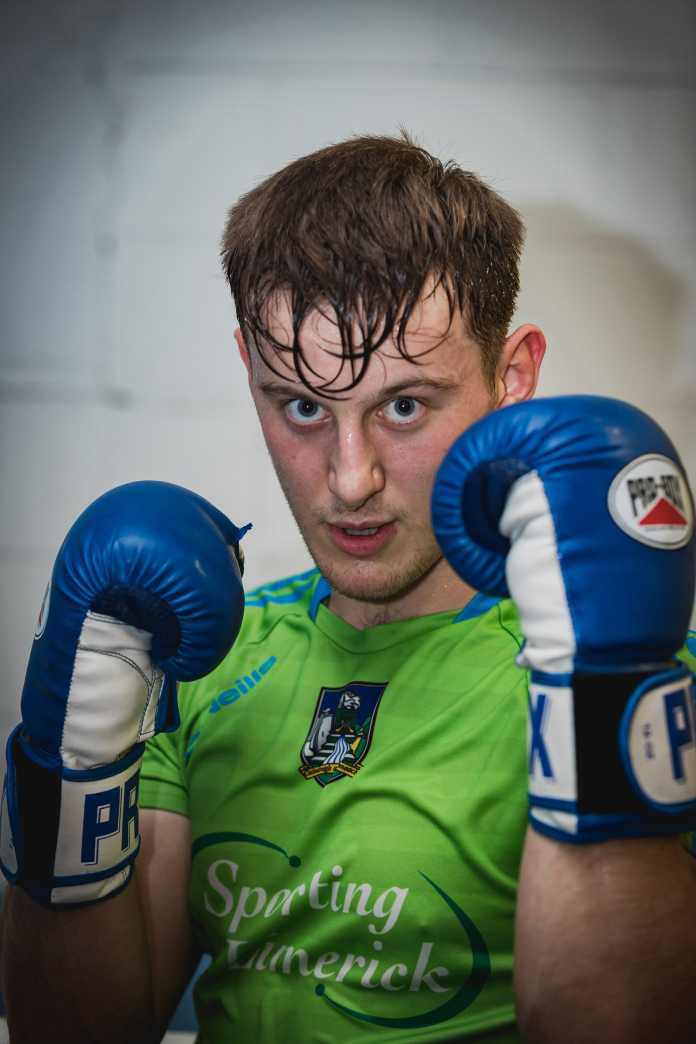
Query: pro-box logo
x=650 y=500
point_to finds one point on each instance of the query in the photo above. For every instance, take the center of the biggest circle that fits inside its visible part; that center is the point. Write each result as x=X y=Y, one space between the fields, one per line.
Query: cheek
x=302 y=470
x=410 y=471
x=298 y=461
x=413 y=464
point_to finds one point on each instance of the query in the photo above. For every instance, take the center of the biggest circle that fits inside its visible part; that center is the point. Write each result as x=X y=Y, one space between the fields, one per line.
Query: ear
x=520 y=362
x=243 y=350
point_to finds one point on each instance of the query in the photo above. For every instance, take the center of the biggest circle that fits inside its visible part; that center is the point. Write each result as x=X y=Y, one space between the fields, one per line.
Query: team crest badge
x=341 y=731
x=649 y=499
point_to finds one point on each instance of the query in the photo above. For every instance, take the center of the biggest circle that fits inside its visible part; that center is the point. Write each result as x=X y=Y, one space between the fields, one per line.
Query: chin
x=374 y=591
x=376 y=582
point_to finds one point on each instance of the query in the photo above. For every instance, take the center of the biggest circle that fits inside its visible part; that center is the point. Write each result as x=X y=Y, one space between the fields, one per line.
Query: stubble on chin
x=375 y=583
x=362 y=579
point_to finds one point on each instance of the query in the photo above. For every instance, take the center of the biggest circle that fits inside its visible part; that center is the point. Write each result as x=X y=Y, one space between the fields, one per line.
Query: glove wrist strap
x=68 y=837
x=612 y=755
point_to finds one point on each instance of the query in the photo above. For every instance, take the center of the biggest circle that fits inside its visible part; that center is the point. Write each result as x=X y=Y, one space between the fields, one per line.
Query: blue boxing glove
x=578 y=508
x=146 y=590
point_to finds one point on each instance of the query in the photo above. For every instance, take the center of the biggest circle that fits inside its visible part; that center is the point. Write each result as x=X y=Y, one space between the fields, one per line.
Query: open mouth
x=361 y=541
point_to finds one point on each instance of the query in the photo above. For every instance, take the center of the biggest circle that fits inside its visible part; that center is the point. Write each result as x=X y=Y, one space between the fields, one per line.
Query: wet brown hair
x=357 y=229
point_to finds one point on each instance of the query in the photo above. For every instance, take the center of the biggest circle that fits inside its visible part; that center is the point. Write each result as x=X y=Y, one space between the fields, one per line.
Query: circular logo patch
x=650 y=500
x=657 y=741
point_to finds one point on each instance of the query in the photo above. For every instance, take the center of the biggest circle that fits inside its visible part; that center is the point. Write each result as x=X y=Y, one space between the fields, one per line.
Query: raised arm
x=76 y=974
x=146 y=590
x=605 y=943
x=578 y=508
x=112 y=971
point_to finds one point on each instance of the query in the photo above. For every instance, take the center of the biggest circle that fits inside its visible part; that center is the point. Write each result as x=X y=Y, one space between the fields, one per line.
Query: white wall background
x=130 y=127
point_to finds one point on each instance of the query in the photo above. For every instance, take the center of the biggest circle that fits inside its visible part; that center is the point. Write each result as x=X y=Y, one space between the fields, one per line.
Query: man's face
x=358 y=472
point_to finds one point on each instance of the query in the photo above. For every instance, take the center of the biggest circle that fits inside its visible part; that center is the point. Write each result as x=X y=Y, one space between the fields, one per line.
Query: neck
x=441 y=590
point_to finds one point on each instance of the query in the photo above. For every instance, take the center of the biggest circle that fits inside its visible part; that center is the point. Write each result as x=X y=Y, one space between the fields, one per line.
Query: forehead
x=438 y=346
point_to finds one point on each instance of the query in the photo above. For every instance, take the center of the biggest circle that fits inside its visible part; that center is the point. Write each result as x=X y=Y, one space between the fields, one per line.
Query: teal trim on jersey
x=282 y=599
x=300 y=583
x=286 y=581
x=691 y=642
x=322 y=591
x=478 y=605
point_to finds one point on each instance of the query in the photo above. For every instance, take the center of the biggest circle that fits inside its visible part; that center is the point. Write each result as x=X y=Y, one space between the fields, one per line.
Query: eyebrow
x=301 y=391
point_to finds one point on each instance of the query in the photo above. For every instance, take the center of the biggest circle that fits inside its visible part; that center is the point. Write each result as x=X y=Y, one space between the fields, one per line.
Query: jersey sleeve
x=162 y=782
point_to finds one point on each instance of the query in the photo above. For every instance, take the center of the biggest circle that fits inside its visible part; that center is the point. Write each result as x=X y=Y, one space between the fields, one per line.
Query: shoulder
x=267 y=605
x=505 y=618
x=265 y=608
x=492 y=620
x=276 y=597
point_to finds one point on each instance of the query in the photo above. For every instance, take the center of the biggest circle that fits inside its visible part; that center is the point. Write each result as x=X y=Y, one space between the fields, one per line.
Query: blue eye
x=304 y=411
x=404 y=410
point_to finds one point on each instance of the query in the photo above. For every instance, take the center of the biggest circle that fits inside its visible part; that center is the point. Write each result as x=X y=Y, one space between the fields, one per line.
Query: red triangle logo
x=663 y=513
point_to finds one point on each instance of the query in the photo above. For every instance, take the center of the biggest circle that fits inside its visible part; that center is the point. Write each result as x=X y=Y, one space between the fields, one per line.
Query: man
x=340 y=820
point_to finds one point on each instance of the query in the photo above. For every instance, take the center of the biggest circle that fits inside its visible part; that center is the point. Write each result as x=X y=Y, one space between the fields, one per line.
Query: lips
x=362 y=540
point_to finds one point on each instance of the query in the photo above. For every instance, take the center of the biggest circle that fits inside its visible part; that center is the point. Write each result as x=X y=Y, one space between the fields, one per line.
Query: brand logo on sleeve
x=341 y=731
x=650 y=500
x=243 y=685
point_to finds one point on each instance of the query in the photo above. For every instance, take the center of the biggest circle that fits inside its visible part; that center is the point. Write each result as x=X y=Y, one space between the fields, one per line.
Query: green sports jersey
x=358 y=809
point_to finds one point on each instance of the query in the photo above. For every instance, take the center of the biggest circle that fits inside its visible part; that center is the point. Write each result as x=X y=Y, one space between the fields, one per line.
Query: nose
x=356 y=472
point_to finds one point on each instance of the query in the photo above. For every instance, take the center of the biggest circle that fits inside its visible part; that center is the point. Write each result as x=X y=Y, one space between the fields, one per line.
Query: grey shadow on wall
x=615 y=314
